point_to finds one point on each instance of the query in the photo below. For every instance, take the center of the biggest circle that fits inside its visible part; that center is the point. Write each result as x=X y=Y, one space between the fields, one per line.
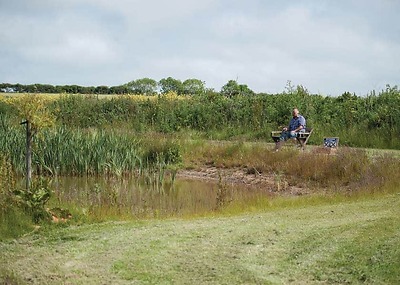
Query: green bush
x=162 y=151
x=371 y=121
x=13 y=220
x=359 y=121
x=34 y=199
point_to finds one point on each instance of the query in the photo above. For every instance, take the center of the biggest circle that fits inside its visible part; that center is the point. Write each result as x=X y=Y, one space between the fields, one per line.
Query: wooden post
x=28 y=154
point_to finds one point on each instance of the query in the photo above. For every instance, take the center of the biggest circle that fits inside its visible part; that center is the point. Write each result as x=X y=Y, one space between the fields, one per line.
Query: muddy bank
x=242 y=176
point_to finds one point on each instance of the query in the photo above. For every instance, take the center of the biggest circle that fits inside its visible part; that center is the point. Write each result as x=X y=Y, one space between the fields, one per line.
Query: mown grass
x=347 y=242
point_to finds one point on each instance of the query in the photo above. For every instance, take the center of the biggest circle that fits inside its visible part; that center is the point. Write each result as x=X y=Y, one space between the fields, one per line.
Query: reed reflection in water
x=134 y=197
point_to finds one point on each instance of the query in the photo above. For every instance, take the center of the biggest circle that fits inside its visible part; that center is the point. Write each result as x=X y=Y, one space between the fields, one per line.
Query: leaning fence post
x=28 y=154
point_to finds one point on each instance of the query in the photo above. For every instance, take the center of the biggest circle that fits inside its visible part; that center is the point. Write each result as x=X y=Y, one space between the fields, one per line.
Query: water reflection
x=136 y=197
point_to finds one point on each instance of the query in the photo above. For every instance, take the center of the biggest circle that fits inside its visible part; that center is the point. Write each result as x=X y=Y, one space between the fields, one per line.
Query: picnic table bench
x=302 y=137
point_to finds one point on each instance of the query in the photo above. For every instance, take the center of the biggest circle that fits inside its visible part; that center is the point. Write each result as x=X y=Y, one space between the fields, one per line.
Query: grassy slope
x=342 y=242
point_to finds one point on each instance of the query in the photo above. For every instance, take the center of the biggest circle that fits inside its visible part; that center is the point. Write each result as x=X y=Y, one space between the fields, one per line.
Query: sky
x=327 y=46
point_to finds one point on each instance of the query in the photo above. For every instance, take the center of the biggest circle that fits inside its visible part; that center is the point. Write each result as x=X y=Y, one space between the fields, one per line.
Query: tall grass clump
x=12 y=142
x=382 y=175
x=13 y=221
x=62 y=151
x=86 y=152
x=348 y=170
x=347 y=166
x=73 y=151
x=161 y=156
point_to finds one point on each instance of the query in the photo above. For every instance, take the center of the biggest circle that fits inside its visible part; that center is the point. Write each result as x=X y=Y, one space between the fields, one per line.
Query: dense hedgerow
x=371 y=121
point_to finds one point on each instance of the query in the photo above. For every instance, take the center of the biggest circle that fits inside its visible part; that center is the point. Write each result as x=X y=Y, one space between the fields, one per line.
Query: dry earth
x=270 y=182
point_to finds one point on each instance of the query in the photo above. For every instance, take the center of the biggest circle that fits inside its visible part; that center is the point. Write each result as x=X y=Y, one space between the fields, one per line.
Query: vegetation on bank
x=131 y=135
x=350 y=172
x=372 y=121
x=334 y=238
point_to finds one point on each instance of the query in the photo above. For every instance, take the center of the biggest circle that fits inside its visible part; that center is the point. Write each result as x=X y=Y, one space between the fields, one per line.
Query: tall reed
x=73 y=152
x=93 y=152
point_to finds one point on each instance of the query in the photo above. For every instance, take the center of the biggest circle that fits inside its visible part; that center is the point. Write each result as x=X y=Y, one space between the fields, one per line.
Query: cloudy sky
x=328 y=46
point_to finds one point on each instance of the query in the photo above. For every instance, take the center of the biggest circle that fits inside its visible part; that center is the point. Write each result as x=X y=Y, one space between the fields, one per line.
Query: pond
x=139 y=198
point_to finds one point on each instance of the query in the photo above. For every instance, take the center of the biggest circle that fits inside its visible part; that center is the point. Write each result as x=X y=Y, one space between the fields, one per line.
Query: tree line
x=143 y=86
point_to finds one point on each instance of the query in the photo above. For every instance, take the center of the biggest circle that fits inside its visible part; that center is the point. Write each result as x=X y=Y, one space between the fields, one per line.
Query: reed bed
x=74 y=152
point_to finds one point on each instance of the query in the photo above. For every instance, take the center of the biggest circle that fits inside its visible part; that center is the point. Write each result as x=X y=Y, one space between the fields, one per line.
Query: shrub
x=13 y=221
x=164 y=151
x=33 y=200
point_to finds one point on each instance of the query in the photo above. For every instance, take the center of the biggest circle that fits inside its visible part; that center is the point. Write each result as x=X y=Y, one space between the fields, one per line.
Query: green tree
x=120 y=89
x=170 y=85
x=233 y=88
x=193 y=87
x=101 y=90
x=349 y=108
x=143 y=86
x=387 y=110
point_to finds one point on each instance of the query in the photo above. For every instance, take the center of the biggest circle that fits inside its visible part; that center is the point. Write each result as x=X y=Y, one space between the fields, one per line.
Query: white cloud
x=74 y=50
x=327 y=46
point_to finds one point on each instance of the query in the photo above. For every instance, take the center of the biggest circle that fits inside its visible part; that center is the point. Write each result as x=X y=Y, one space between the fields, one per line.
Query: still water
x=133 y=197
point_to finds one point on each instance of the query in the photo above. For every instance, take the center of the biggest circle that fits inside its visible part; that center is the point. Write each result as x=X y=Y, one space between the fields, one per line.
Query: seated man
x=297 y=124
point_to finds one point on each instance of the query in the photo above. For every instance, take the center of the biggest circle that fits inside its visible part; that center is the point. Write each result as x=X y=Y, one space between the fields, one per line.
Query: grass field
x=352 y=242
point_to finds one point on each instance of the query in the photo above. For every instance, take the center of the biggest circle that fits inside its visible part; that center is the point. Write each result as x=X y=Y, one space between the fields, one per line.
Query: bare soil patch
x=244 y=177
